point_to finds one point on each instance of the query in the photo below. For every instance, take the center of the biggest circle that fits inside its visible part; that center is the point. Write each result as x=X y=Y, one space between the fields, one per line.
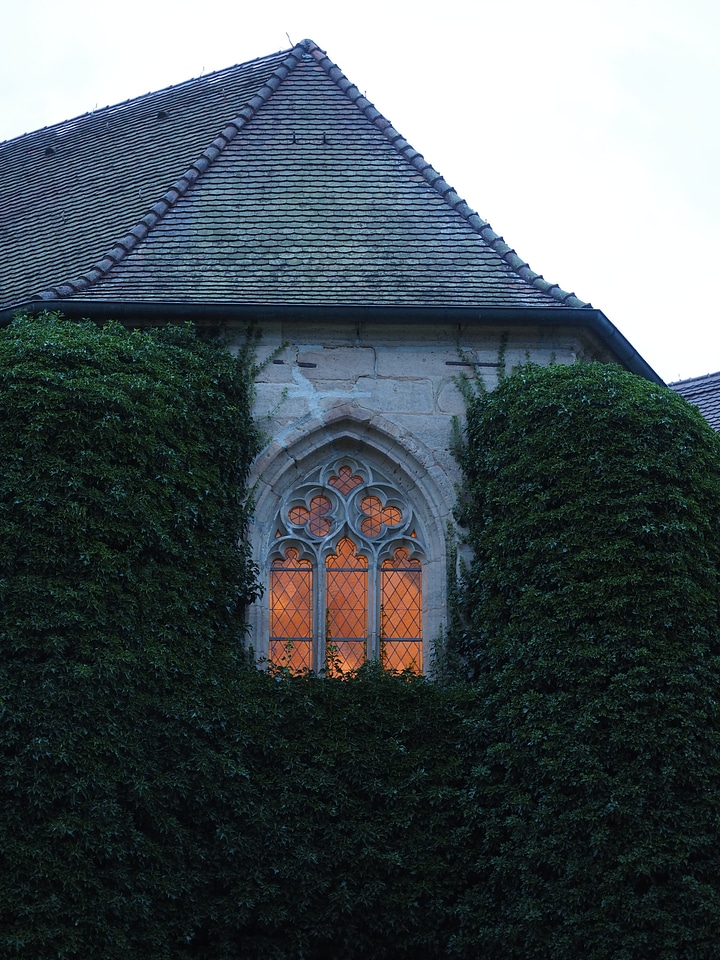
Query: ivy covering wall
x=161 y=798
x=123 y=580
x=591 y=632
x=158 y=797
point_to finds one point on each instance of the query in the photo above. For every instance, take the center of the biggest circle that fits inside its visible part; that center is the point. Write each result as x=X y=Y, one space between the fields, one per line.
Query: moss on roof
x=274 y=181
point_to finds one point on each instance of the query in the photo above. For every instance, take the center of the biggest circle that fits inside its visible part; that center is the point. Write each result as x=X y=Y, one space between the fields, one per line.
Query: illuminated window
x=291 y=611
x=346 y=599
x=346 y=574
x=401 y=612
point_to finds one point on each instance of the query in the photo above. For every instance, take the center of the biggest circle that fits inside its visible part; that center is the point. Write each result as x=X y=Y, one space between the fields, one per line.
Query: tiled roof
x=704 y=393
x=274 y=181
x=68 y=192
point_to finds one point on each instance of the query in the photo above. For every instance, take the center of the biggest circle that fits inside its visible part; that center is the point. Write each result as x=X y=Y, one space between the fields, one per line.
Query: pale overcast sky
x=586 y=133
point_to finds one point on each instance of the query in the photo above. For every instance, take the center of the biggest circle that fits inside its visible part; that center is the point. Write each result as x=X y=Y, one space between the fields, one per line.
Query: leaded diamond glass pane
x=291 y=604
x=401 y=612
x=346 y=595
x=402 y=655
x=342 y=656
x=294 y=655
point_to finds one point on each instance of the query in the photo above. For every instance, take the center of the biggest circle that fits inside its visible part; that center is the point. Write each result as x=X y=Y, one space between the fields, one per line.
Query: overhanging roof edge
x=218 y=313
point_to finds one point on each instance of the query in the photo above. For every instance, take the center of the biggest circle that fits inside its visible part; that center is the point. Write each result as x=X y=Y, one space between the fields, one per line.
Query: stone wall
x=385 y=392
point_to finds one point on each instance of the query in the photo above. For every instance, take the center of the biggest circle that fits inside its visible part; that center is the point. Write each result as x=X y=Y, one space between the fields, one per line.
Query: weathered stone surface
x=435 y=432
x=338 y=362
x=411 y=384
x=449 y=400
x=391 y=395
x=426 y=359
x=275 y=401
x=276 y=373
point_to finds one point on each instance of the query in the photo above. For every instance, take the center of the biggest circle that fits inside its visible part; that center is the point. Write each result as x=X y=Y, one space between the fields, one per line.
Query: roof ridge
x=435 y=179
x=137 y=233
x=700 y=379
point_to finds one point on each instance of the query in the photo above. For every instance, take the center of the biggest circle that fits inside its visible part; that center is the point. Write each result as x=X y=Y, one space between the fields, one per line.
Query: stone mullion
x=373 y=607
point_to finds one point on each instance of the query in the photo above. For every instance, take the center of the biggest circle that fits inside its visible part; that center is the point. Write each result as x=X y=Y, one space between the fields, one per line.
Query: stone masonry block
x=403 y=396
x=449 y=400
x=338 y=363
x=422 y=360
x=275 y=373
x=274 y=400
x=435 y=433
x=321 y=332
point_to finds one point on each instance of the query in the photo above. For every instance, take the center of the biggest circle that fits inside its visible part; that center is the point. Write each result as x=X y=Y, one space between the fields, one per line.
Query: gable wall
x=408 y=380
x=374 y=390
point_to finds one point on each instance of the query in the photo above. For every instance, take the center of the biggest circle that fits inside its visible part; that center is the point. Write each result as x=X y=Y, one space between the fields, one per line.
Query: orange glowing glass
x=346 y=591
x=316 y=517
x=345 y=481
x=291 y=604
x=401 y=612
x=377 y=516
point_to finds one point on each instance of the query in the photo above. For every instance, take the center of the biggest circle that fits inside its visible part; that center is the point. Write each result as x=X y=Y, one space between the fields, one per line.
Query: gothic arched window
x=346 y=574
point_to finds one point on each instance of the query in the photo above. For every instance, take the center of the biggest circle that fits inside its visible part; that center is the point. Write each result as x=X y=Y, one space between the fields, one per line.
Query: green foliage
x=157 y=798
x=344 y=837
x=124 y=456
x=591 y=630
x=123 y=576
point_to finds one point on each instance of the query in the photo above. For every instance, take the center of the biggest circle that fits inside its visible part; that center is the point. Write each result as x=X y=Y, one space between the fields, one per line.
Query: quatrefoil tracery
x=346 y=498
x=316 y=518
x=375 y=516
x=345 y=480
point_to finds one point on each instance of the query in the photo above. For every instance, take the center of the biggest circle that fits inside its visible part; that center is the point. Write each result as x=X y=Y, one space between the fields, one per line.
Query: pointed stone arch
x=360 y=436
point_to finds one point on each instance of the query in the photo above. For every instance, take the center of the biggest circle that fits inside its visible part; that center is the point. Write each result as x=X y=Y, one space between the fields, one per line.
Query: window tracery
x=346 y=573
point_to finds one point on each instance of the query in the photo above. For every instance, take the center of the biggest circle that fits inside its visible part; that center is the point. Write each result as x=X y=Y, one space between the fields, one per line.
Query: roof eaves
x=449 y=195
x=224 y=312
x=178 y=189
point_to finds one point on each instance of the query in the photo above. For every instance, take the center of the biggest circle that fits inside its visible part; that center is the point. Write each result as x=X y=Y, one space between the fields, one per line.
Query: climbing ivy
x=123 y=578
x=159 y=798
x=591 y=631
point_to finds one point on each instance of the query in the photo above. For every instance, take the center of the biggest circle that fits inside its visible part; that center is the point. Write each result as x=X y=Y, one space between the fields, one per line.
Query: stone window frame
x=367 y=437
x=315 y=538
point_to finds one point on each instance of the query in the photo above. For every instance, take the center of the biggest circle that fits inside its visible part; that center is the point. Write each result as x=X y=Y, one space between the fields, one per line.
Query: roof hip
x=305 y=49
x=436 y=180
x=180 y=187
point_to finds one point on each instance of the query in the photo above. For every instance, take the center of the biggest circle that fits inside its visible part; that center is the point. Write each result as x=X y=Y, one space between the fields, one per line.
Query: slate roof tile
x=704 y=393
x=273 y=181
x=60 y=213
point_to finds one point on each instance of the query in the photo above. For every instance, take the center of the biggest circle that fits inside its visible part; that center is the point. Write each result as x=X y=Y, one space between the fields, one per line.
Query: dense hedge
x=123 y=579
x=124 y=456
x=348 y=831
x=592 y=613
x=157 y=798
x=160 y=799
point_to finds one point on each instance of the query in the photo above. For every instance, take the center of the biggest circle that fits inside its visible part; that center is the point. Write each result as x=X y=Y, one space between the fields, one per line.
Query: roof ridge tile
x=435 y=179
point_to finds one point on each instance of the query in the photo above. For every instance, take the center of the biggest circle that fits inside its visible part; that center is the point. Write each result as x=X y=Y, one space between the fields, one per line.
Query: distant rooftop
x=704 y=393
